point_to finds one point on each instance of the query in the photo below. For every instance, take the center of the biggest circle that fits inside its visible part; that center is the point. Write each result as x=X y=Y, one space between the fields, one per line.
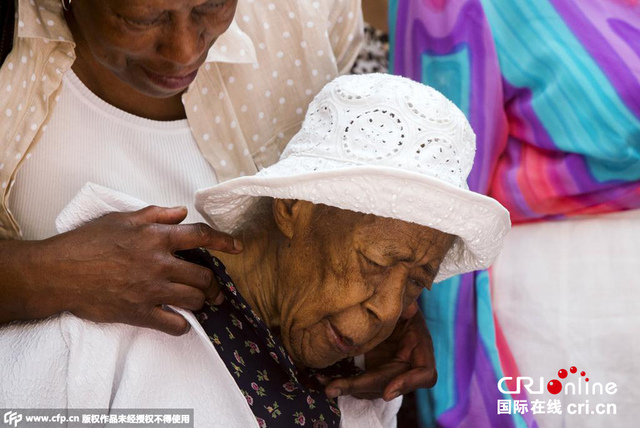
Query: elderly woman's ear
x=290 y=214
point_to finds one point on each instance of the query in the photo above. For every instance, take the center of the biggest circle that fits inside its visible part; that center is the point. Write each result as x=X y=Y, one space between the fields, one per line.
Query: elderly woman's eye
x=371 y=262
x=417 y=283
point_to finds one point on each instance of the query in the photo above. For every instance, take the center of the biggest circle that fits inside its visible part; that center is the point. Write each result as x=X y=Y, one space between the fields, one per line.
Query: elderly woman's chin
x=318 y=357
x=321 y=347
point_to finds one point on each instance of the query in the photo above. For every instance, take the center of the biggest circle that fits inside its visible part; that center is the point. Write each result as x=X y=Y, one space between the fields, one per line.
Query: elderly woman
x=367 y=207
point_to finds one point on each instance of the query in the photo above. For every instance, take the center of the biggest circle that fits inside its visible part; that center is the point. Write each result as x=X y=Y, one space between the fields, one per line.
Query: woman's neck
x=111 y=90
x=254 y=273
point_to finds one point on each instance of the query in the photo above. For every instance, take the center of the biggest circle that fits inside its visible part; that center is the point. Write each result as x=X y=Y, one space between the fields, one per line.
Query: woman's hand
x=402 y=363
x=118 y=268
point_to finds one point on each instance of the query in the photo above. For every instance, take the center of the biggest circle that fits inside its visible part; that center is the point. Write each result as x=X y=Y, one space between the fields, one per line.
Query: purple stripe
x=508 y=184
x=465 y=334
x=475 y=416
x=626 y=32
x=398 y=59
x=620 y=75
x=518 y=102
x=478 y=414
x=485 y=87
x=489 y=385
x=628 y=200
x=619 y=198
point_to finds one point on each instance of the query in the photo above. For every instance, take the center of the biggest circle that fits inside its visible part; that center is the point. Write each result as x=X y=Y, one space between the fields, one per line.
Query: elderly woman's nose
x=183 y=44
x=387 y=304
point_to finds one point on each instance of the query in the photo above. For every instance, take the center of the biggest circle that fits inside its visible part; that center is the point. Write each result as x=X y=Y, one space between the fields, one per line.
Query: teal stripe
x=439 y=307
x=450 y=74
x=392 y=18
x=487 y=332
x=596 y=126
x=486 y=327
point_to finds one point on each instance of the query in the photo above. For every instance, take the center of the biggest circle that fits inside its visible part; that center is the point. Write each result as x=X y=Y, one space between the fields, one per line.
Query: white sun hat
x=383 y=145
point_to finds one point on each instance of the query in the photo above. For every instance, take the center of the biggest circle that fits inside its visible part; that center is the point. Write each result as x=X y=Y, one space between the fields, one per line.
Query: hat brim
x=479 y=222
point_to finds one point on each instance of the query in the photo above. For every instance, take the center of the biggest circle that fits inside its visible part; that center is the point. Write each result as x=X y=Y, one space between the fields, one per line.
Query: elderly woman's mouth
x=340 y=342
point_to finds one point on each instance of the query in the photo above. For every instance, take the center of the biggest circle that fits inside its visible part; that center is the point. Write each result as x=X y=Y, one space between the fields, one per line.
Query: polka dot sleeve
x=346 y=29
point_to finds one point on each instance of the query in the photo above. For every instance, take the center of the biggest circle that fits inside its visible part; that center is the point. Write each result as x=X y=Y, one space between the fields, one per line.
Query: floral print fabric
x=278 y=393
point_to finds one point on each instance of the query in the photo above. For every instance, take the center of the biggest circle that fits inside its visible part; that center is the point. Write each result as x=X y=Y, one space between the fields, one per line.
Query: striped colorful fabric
x=552 y=90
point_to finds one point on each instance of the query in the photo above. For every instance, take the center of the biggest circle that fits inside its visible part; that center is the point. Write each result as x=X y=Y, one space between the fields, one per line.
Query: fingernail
x=219 y=300
x=394 y=395
x=237 y=244
x=334 y=392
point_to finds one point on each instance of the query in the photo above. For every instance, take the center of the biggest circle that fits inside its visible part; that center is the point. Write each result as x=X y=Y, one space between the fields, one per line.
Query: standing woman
x=136 y=97
x=88 y=93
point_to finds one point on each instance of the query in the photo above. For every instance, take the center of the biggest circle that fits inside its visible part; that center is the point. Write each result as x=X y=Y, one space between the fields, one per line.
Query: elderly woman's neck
x=254 y=272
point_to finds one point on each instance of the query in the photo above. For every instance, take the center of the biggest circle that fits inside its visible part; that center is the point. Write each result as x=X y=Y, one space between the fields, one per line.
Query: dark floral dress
x=277 y=392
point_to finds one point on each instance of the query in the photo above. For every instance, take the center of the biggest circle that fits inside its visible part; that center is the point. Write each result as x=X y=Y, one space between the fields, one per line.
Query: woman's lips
x=342 y=343
x=171 y=82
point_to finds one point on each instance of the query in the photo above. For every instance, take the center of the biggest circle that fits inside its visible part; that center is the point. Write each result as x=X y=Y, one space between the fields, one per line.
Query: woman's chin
x=315 y=360
x=315 y=355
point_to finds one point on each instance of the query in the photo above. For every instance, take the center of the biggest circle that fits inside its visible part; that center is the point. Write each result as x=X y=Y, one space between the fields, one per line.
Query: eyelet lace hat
x=382 y=145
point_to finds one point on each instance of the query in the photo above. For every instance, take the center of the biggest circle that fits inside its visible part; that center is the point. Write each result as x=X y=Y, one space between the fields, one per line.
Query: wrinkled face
x=155 y=46
x=347 y=279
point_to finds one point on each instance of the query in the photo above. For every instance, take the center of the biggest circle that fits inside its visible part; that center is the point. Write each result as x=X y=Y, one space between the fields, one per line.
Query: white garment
x=155 y=161
x=66 y=362
x=566 y=293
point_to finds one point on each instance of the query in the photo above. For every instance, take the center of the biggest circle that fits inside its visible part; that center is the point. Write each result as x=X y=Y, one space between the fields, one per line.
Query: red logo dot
x=562 y=373
x=573 y=369
x=554 y=386
x=582 y=373
x=586 y=380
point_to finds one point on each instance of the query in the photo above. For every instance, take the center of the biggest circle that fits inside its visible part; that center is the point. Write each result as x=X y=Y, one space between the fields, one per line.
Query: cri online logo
x=555 y=386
